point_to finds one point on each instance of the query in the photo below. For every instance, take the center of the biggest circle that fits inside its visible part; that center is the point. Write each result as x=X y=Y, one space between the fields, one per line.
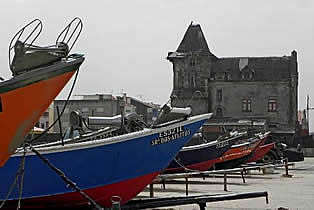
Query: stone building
x=261 y=90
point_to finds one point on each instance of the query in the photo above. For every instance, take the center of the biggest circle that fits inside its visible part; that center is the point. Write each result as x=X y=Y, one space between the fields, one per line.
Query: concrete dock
x=296 y=192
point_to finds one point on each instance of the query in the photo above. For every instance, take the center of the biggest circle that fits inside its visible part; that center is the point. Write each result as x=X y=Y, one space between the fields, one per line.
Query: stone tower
x=192 y=64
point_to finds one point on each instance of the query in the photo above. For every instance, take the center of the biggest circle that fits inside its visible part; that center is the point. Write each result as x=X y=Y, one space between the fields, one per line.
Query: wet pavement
x=296 y=192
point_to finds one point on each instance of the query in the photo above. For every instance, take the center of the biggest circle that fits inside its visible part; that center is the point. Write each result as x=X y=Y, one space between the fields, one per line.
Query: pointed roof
x=193 y=40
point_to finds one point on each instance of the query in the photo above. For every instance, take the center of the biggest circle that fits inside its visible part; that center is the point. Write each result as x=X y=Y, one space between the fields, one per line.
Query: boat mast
x=308 y=108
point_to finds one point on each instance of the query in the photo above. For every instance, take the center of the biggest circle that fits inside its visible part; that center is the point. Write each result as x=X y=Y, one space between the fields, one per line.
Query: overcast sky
x=126 y=42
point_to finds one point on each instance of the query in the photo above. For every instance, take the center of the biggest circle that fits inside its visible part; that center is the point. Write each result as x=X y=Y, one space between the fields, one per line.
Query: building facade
x=235 y=89
x=101 y=105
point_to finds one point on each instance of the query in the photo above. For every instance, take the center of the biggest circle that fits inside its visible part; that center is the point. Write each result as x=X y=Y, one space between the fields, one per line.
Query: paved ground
x=291 y=193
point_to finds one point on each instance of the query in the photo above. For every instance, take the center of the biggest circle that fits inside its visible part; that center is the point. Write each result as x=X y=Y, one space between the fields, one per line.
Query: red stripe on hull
x=261 y=151
x=126 y=190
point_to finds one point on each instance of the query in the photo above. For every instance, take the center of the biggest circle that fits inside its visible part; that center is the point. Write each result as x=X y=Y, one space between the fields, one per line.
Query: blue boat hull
x=100 y=163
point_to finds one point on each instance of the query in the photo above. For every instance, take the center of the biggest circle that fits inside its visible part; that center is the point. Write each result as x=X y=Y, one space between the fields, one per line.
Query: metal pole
x=186 y=186
x=151 y=190
x=163 y=184
x=202 y=206
x=243 y=179
x=225 y=182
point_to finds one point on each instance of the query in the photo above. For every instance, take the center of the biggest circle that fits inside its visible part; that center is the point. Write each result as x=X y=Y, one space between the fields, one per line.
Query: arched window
x=247 y=73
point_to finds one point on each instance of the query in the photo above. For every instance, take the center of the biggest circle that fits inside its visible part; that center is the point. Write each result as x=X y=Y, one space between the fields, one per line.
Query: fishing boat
x=201 y=157
x=39 y=74
x=260 y=152
x=104 y=167
x=240 y=153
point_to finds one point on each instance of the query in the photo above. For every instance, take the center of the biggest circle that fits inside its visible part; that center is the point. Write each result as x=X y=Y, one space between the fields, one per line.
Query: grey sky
x=126 y=42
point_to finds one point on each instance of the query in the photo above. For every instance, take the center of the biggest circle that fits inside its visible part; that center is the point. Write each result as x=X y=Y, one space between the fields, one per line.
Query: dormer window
x=227 y=76
x=247 y=73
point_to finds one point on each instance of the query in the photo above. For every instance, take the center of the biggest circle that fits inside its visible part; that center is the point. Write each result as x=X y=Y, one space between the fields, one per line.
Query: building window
x=227 y=76
x=100 y=109
x=272 y=105
x=176 y=79
x=213 y=76
x=219 y=95
x=193 y=61
x=247 y=74
x=193 y=83
x=219 y=112
x=246 y=105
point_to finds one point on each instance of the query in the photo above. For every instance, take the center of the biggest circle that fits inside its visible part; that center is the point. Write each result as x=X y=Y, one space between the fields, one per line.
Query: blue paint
x=93 y=167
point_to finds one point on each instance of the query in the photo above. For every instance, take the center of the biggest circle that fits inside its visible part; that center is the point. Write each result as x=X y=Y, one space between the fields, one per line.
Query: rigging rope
x=68 y=181
x=20 y=172
x=184 y=167
x=21 y=184
x=58 y=118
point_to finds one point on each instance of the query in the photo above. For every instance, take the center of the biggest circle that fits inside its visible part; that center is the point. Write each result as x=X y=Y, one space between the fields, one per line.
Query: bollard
x=115 y=200
x=225 y=182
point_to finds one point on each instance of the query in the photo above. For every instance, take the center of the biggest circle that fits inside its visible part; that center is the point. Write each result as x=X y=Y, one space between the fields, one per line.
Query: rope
x=20 y=172
x=184 y=167
x=58 y=118
x=21 y=184
x=68 y=181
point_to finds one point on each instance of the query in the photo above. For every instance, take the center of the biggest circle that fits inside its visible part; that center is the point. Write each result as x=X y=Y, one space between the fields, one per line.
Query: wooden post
x=151 y=190
x=225 y=182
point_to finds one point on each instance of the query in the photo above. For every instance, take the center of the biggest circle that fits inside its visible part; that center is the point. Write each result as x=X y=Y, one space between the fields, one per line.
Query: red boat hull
x=102 y=195
x=260 y=152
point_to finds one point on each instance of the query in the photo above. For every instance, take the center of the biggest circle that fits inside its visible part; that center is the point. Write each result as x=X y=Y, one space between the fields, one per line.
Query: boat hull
x=118 y=166
x=261 y=151
x=199 y=157
x=237 y=155
x=36 y=90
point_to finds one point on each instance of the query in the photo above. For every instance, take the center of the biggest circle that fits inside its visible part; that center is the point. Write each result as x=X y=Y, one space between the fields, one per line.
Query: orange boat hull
x=22 y=107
